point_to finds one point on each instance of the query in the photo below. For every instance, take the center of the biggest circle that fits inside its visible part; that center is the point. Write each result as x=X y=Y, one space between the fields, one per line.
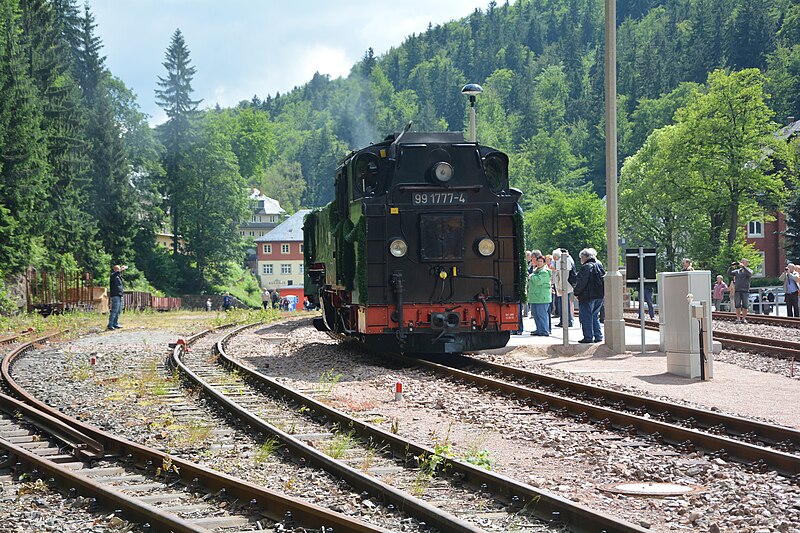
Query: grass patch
x=266 y=449
x=327 y=382
x=338 y=446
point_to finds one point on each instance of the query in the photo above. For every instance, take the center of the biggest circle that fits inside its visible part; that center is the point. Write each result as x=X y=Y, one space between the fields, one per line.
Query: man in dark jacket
x=741 y=275
x=589 y=289
x=116 y=290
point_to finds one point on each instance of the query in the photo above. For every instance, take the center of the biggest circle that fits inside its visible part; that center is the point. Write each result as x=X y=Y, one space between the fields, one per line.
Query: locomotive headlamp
x=486 y=247
x=398 y=248
x=443 y=171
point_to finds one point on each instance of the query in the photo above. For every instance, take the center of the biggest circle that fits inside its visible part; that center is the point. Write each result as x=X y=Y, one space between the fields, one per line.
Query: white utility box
x=679 y=322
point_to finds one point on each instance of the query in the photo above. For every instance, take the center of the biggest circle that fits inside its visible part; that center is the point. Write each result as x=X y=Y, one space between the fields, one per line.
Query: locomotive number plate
x=440 y=198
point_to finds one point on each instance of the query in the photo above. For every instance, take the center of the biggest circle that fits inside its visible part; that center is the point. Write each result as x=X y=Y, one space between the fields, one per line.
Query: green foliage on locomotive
x=340 y=245
x=519 y=224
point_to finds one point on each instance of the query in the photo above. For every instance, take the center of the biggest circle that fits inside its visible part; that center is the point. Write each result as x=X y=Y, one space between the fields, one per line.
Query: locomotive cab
x=421 y=250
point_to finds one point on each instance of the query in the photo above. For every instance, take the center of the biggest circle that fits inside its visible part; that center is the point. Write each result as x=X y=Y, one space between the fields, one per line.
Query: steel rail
x=133 y=509
x=784 y=463
x=792 y=322
x=777 y=348
x=402 y=500
x=82 y=445
x=578 y=518
x=736 y=426
x=274 y=505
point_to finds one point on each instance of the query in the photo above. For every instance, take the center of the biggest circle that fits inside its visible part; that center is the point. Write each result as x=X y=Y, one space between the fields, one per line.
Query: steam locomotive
x=421 y=250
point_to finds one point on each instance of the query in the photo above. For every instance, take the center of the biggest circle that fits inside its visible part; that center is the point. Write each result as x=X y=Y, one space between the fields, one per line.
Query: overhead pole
x=614 y=325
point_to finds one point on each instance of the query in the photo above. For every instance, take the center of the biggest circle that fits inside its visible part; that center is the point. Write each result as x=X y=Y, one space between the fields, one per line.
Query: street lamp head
x=472 y=89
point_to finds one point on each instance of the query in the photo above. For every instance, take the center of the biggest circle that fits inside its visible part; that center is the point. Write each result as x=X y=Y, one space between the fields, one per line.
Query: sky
x=242 y=48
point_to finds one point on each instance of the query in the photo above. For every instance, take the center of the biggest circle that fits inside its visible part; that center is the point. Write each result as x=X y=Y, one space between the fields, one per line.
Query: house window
x=266 y=269
x=267 y=248
x=272 y=218
x=254 y=218
x=301 y=247
x=286 y=268
x=755 y=228
x=252 y=233
x=290 y=282
x=284 y=248
x=758 y=272
x=301 y=268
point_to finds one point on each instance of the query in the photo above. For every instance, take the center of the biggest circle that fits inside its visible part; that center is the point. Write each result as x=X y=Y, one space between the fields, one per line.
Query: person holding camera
x=116 y=290
x=791 y=286
x=741 y=275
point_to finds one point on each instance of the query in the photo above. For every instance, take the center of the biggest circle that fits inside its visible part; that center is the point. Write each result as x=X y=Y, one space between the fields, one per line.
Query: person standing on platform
x=791 y=288
x=539 y=296
x=590 y=289
x=648 y=299
x=116 y=291
x=266 y=299
x=718 y=293
x=559 y=283
x=741 y=275
x=686 y=265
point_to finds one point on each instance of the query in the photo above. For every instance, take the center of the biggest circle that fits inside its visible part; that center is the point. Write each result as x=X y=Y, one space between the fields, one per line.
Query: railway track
x=141 y=484
x=772 y=347
x=758 y=445
x=785 y=321
x=309 y=428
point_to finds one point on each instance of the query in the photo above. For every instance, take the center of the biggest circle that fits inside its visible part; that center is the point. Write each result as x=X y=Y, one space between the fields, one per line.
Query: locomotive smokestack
x=472 y=90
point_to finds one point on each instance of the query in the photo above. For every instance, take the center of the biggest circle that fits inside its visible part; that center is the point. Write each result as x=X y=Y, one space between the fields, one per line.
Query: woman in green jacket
x=539 y=297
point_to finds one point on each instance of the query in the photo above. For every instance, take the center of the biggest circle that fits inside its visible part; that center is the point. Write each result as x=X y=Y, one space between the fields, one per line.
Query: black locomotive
x=421 y=250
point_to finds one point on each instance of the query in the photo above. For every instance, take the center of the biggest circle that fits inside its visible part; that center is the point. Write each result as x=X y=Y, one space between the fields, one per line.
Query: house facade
x=767 y=236
x=280 y=256
x=265 y=215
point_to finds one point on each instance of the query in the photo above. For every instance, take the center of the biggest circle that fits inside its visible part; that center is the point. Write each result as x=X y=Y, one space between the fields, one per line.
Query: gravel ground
x=558 y=455
x=129 y=393
x=537 y=448
x=762 y=363
x=33 y=506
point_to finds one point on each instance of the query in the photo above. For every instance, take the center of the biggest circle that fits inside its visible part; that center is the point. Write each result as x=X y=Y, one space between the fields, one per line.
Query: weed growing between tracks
x=327 y=382
x=266 y=449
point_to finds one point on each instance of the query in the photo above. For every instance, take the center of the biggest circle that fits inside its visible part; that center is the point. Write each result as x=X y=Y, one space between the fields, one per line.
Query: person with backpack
x=227 y=302
x=558 y=277
x=589 y=289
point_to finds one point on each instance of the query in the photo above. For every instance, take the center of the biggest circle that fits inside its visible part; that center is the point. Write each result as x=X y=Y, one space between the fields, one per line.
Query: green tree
x=652 y=212
x=572 y=221
x=284 y=182
x=724 y=131
x=24 y=177
x=176 y=134
x=214 y=201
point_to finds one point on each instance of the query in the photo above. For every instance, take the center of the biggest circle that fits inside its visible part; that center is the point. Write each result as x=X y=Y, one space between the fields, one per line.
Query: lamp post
x=614 y=324
x=472 y=90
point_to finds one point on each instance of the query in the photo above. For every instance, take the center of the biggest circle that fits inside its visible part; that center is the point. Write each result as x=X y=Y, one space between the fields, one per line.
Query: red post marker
x=93 y=360
x=398 y=391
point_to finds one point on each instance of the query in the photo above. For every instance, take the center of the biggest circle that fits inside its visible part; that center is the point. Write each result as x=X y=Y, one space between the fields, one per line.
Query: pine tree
x=23 y=166
x=71 y=230
x=113 y=202
x=175 y=98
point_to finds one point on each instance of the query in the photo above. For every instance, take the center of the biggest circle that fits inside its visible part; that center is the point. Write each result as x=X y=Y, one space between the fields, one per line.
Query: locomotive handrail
x=475 y=188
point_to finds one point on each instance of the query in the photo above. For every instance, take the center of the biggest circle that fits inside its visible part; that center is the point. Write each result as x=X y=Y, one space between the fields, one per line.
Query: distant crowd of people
x=546 y=286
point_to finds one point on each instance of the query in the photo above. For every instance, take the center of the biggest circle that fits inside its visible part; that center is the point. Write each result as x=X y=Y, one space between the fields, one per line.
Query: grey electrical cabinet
x=679 y=323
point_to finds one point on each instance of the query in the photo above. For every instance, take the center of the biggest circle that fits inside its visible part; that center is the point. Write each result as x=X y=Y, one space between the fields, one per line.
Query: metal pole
x=473 y=136
x=614 y=323
x=565 y=314
x=641 y=294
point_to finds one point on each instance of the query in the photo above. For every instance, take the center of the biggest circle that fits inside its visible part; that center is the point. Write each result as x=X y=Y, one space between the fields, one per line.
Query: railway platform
x=633 y=337
x=733 y=389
